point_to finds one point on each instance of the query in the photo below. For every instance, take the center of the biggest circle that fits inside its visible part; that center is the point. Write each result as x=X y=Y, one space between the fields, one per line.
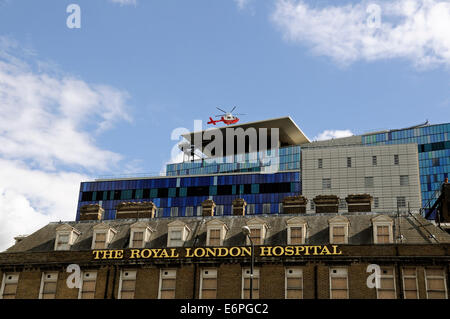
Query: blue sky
x=104 y=99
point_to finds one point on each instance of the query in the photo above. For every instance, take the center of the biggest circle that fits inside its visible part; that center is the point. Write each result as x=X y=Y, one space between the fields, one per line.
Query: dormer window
x=140 y=233
x=177 y=233
x=296 y=231
x=103 y=236
x=383 y=229
x=258 y=229
x=338 y=230
x=66 y=236
x=216 y=231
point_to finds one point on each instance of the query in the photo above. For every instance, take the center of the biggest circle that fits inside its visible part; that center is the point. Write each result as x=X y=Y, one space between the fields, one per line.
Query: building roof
x=289 y=132
x=414 y=228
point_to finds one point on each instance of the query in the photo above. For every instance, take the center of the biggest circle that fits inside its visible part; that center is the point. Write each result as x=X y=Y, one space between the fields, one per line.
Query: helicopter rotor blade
x=233 y=109
x=221 y=109
x=239 y=114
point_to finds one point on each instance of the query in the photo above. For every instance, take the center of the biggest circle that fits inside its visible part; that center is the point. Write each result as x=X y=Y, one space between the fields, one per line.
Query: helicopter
x=228 y=118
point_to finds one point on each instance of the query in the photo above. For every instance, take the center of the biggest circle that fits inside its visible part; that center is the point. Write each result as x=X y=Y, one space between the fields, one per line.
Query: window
x=312 y=205
x=280 y=208
x=387 y=284
x=214 y=237
x=89 y=279
x=338 y=283
x=174 y=211
x=349 y=162
x=219 y=210
x=338 y=233
x=65 y=237
x=319 y=163
x=250 y=209
x=266 y=208
x=396 y=160
x=48 y=285
x=189 y=211
x=326 y=183
x=401 y=202
x=382 y=229
x=294 y=283
x=140 y=234
x=435 y=161
x=410 y=283
x=208 y=284
x=368 y=181
x=435 y=283
x=127 y=284
x=296 y=235
x=216 y=231
x=338 y=227
x=199 y=210
x=255 y=236
x=167 y=284
x=9 y=286
x=404 y=180
x=160 y=212
x=177 y=234
x=374 y=160
x=382 y=234
x=376 y=202
x=103 y=235
x=246 y=283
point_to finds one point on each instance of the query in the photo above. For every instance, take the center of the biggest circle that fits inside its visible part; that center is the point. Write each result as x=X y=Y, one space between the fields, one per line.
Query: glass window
x=368 y=181
x=338 y=234
x=387 y=284
x=374 y=160
x=48 y=285
x=319 y=163
x=208 y=284
x=326 y=183
x=410 y=283
x=383 y=234
x=176 y=238
x=214 y=237
x=294 y=283
x=401 y=202
x=349 y=162
x=167 y=284
x=396 y=160
x=404 y=180
x=436 y=285
x=9 y=285
x=296 y=235
x=89 y=280
x=338 y=283
x=266 y=208
x=127 y=284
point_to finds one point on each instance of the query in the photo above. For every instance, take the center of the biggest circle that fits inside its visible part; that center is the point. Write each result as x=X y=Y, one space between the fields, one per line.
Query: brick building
x=326 y=220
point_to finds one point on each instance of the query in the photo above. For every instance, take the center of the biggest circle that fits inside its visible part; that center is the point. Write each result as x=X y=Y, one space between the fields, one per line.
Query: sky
x=92 y=88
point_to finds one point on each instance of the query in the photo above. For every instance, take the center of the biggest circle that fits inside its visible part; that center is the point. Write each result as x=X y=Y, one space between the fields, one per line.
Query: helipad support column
x=359 y=203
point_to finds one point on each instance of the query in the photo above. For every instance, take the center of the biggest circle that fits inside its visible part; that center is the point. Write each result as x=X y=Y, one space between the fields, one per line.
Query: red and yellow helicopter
x=228 y=118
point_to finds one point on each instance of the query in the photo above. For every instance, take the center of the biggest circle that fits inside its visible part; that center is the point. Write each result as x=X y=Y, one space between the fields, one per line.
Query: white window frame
x=404 y=181
x=132 y=275
x=292 y=272
x=382 y=221
x=139 y=227
x=393 y=277
x=219 y=210
x=246 y=274
x=182 y=228
x=171 y=274
x=250 y=209
x=264 y=208
x=296 y=222
x=84 y=275
x=444 y=278
x=189 y=211
x=13 y=280
x=174 y=211
x=66 y=230
x=109 y=231
x=410 y=277
x=45 y=279
x=208 y=273
x=338 y=274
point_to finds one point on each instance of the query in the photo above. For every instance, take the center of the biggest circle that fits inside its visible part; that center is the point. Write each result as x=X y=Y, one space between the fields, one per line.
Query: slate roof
x=414 y=228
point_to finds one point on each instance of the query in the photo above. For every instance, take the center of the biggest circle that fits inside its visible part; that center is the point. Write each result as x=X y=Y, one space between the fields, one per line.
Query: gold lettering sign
x=211 y=252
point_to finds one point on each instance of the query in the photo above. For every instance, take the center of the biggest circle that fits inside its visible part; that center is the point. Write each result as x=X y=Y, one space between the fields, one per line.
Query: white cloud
x=125 y=2
x=242 y=4
x=48 y=125
x=417 y=30
x=331 y=134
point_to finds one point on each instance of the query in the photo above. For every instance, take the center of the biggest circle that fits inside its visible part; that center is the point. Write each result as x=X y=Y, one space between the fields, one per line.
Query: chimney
x=294 y=204
x=239 y=207
x=326 y=203
x=359 y=203
x=208 y=207
x=91 y=212
x=128 y=210
x=19 y=238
